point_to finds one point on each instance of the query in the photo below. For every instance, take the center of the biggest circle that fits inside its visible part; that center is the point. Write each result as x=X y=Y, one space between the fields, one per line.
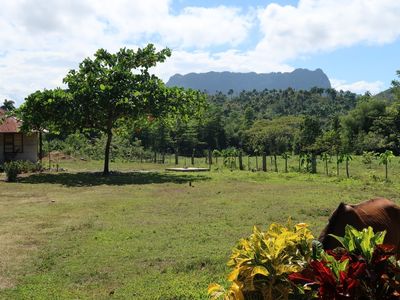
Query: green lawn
x=153 y=235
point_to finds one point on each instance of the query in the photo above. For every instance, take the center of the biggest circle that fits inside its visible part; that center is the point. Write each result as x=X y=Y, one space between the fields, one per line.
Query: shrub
x=262 y=262
x=363 y=269
x=284 y=263
x=12 y=169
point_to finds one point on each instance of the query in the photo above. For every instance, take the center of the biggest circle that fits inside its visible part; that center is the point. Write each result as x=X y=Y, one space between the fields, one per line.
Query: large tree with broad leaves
x=117 y=90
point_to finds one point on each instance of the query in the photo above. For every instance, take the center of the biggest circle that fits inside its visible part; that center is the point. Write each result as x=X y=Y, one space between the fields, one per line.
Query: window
x=13 y=143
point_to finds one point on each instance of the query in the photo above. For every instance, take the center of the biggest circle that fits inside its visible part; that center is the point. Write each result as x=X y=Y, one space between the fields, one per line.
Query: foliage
x=109 y=92
x=361 y=242
x=262 y=262
x=363 y=269
x=8 y=105
x=368 y=157
x=385 y=158
x=16 y=167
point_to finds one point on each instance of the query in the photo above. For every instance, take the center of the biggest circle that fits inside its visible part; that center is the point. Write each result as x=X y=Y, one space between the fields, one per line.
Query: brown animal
x=380 y=213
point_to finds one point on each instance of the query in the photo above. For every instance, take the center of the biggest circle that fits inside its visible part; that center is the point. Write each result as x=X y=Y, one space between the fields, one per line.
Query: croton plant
x=285 y=262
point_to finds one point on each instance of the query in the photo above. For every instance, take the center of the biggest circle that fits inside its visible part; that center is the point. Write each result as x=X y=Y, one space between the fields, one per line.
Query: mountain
x=212 y=82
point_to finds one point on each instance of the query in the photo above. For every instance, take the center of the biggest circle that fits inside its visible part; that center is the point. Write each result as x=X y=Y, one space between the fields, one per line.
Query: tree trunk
x=313 y=163
x=286 y=170
x=248 y=162
x=155 y=157
x=240 y=161
x=210 y=157
x=193 y=157
x=347 y=168
x=386 y=170
x=256 y=163
x=276 y=165
x=337 y=165
x=264 y=162
x=176 y=156
x=106 y=170
x=326 y=167
x=299 y=163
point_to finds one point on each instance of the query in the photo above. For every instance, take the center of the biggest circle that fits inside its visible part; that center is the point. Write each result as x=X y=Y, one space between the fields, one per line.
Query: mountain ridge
x=212 y=82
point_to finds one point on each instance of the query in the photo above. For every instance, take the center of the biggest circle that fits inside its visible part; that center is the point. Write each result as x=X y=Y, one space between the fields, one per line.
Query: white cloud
x=359 y=87
x=41 y=40
x=324 y=25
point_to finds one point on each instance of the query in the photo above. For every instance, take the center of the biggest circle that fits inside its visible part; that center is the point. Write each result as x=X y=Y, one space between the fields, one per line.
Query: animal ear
x=353 y=218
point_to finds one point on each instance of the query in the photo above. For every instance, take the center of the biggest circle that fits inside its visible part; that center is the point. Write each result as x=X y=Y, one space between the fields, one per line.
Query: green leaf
x=102 y=87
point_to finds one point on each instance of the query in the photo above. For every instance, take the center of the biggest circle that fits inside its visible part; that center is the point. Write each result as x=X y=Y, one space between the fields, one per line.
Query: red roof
x=8 y=125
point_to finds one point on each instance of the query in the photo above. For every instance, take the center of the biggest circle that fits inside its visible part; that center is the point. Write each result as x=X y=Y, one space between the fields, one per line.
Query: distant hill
x=212 y=82
x=387 y=95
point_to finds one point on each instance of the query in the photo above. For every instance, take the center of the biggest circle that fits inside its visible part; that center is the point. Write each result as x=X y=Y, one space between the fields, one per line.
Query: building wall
x=1 y=148
x=30 y=148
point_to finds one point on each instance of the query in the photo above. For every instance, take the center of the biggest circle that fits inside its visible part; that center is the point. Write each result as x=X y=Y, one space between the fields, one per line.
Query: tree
x=346 y=157
x=310 y=131
x=286 y=156
x=396 y=86
x=114 y=89
x=385 y=158
x=326 y=158
x=43 y=110
x=8 y=105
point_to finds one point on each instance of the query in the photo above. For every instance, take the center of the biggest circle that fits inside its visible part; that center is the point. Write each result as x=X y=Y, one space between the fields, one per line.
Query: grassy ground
x=154 y=234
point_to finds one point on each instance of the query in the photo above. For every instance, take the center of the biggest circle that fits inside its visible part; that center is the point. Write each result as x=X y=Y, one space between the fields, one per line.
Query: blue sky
x=355 y=42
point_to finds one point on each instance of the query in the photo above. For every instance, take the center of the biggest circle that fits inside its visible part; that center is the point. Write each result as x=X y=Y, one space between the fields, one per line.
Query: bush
x=262 y=262
x=284 y=263
x=13 y=168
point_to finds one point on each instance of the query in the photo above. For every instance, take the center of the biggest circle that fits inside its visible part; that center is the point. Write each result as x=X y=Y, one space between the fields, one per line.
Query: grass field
x=154 y=234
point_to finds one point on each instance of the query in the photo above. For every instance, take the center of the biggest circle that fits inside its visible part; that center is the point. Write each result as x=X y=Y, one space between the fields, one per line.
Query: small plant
x=327 y=159
x=384 y=159
x=368 y=157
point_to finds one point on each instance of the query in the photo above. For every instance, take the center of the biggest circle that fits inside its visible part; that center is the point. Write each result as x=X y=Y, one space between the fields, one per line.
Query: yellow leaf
x=234 y=274
x=259 y=270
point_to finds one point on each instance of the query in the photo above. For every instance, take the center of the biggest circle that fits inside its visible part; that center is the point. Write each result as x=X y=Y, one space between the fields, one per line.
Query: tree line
x=113 y=103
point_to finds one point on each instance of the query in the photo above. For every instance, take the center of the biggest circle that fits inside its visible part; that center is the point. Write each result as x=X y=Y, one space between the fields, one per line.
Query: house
x=15 y=145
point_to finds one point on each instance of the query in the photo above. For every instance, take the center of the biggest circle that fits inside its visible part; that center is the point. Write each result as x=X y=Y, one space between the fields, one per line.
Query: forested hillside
x=272 y=122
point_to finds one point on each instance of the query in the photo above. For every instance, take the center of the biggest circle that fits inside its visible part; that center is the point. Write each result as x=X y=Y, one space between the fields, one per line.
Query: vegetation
x=286 y=263
x=109 y=92
x=13 y=168
x=149 y=234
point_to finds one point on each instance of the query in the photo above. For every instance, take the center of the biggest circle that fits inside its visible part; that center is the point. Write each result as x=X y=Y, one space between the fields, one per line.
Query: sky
x=355 y=42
